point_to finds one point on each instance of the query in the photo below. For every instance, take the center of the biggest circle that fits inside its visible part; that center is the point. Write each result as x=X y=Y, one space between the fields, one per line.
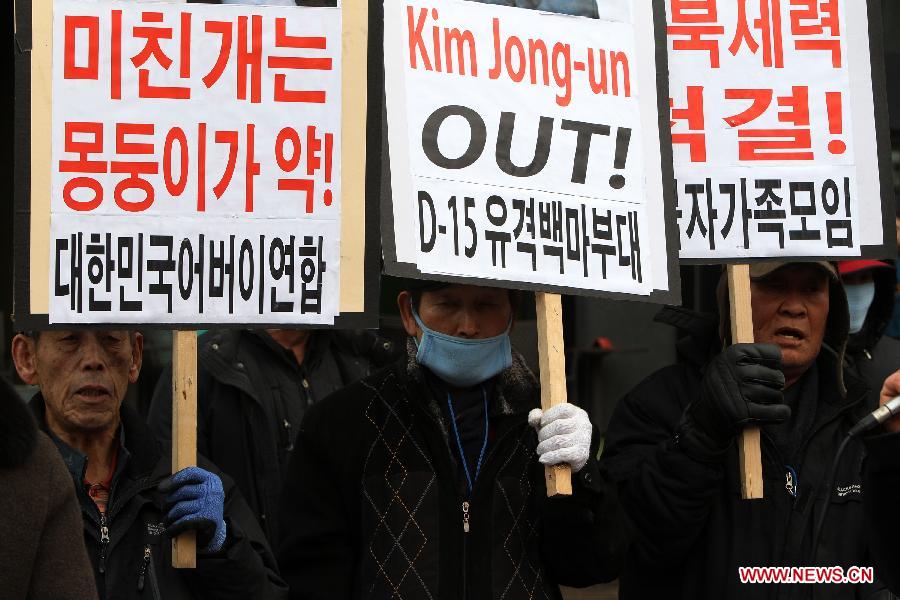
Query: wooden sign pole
x=551 y=352
x=184 y=430
x=742 y=333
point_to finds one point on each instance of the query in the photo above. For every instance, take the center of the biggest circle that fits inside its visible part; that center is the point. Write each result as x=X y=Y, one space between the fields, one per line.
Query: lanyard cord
x=462 y=454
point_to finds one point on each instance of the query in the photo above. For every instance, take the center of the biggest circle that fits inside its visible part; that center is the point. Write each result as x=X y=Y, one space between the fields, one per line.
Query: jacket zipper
x=104 y=542
x=154 y=584
x=465 y=549
x=467 y=514
x=466 y=504
x=289 y=445
x=144 y=564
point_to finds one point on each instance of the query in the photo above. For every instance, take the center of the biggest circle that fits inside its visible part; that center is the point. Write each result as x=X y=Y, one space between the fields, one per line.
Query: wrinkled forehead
x=80 y=335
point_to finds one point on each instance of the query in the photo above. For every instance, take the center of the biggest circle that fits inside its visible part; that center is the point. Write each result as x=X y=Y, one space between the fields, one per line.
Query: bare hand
x=891 y=390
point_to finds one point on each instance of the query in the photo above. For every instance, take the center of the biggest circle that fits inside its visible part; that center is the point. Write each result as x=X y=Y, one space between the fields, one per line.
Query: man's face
x=464 y=311
x=790 y=309
x=83 y=375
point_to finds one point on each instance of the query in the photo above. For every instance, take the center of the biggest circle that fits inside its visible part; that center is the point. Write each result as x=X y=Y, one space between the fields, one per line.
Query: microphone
x=876 y=417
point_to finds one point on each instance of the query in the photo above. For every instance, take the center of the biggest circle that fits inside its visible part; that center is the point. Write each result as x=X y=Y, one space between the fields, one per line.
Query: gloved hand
x=564 y=435
x=196 y=500
x=741 y=386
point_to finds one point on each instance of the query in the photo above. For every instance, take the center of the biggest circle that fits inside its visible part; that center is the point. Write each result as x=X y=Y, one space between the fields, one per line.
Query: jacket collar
x=516 y=389
x=140 y=446
x=831 y=402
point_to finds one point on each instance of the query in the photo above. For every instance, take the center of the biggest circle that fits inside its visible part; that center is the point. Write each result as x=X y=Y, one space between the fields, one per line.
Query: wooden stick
x=184 y=430
x=551 y=351
x=742 y=333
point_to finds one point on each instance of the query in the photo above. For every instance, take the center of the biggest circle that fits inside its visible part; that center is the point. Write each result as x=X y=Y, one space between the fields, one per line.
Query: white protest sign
x=774 y=126
x=196 y=164
x=525 y=146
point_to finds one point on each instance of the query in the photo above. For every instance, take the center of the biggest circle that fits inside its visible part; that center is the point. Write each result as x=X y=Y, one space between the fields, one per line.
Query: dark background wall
x=6 y=186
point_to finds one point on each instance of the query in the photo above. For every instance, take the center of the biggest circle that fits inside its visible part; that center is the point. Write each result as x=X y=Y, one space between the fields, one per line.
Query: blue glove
x=196 y=501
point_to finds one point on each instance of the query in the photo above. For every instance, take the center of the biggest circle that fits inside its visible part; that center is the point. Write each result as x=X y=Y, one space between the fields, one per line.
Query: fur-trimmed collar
x=18 y=432
x=517 y=389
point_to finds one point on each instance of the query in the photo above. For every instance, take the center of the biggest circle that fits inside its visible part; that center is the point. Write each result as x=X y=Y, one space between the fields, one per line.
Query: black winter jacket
x=690 y=528
x=881 y=481
x=251 y=394
x=135 y=562
x=372 y=508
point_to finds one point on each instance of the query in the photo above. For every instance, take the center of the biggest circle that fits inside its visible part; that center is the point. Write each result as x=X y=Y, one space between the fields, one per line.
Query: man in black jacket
x=426 y=479
x=670 y=445
x=253 y=387
x=131 y=502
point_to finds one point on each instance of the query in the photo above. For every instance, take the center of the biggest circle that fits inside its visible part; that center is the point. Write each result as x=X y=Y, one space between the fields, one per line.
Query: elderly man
x=426 y=479
x=130 y=501
x=670 y=446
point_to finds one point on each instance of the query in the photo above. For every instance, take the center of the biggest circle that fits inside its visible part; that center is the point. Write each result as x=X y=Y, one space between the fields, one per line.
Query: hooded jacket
x=690 y=529
x=871 y=354
x=372 y=507
x=251 y=395
x=41 y=552
x=134 y=559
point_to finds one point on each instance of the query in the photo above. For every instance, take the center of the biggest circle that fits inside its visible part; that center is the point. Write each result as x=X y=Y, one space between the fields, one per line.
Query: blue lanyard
x=462 y=454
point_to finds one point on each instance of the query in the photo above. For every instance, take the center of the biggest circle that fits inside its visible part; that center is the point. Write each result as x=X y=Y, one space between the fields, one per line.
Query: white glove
x=564 y=435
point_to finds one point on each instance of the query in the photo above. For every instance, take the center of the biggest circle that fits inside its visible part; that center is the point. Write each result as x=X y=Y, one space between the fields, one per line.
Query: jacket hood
x=144 y=450
x=879 y=315
x=18 y=432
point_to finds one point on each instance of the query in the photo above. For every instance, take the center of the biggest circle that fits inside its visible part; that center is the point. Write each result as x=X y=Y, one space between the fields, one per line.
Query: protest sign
x=526 y=149
x=529 y=150
x=781 y=147
x=187 y=166
x=779 y=126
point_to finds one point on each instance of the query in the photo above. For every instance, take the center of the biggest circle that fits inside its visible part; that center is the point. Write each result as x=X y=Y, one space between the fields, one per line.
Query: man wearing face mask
x=426 y=479
x=869 y=285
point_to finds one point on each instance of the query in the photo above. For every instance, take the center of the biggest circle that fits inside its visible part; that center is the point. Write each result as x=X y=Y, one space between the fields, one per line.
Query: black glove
x=741 y=386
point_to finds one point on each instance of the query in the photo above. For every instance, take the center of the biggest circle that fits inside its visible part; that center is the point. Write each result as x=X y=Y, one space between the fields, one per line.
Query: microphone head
x=893 y=406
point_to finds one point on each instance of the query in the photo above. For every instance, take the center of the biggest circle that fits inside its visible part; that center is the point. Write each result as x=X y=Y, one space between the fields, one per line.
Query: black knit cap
x=417 y=287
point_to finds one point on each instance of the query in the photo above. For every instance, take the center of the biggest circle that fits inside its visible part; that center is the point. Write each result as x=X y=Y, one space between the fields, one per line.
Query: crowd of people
x=334 y=465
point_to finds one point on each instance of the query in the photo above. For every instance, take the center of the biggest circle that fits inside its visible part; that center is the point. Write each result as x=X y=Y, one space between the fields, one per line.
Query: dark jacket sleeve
x=61 y=569
x=159 y=417
x=582 y=535
x=246 y=566
x=316 y=553
x=881 y=498
x=665 y=494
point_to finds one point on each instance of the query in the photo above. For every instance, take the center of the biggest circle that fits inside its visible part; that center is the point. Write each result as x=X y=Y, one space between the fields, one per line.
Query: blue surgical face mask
x=462 y=362
x=859 y=299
